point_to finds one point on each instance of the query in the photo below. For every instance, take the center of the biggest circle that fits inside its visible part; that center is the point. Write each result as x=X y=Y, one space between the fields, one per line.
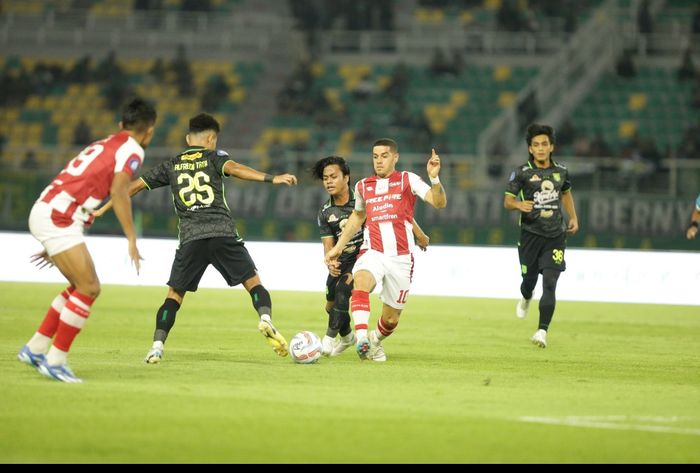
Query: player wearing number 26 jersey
x=58 y=219
x=208 y=232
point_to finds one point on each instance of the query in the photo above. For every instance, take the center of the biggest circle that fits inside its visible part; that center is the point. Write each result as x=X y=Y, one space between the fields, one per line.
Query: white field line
x=643 y=423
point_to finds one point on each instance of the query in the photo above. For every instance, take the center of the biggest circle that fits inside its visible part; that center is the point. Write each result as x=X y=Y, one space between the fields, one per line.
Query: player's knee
x=549 y=280
x=343 y=290
x=91 y=289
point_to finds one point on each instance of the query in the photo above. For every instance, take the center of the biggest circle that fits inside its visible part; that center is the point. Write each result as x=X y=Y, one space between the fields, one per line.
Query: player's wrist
x=268 y=178
x=694 y=224
x=434 y=180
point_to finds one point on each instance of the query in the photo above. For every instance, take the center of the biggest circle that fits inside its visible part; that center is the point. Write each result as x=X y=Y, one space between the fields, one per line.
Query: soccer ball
x=305 y=347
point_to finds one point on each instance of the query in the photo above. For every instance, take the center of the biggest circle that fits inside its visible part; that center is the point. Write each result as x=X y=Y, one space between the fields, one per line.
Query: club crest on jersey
x=556 y=176
x=535 y=178
x=382 y=186
x=332 y=218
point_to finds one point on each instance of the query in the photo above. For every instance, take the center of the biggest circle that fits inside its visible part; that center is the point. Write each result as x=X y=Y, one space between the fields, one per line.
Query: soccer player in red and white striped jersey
x=58 y=219
x=384 y=203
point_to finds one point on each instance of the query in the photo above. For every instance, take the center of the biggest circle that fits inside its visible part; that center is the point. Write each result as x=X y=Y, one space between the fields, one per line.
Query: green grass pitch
x=618 y=383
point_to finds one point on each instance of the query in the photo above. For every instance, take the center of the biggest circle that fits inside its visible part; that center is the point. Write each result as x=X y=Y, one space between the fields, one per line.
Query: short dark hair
x=138 y=115
x=393 y=146
x=320 y=165
x=204 y=122
x=536 y=129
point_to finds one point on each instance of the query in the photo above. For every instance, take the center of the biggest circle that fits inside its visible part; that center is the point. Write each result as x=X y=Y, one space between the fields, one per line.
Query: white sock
x=266 y=318
x=360 y=317
x=56 y=356
x=158 y=344
x=39 y=343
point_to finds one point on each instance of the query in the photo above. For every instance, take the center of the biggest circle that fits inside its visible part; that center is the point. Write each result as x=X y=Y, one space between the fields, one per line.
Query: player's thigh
x=191 y=260
x=232 y=260
x=397 y=280
x=552 y=254
x=77 y=266
x=368 y=270
x=529 y=251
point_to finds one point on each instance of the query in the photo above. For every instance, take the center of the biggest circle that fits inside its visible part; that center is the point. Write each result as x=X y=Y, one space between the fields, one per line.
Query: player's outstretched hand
x=289 y=179
x=434 y=165
x=41 y=260
x=135 y=256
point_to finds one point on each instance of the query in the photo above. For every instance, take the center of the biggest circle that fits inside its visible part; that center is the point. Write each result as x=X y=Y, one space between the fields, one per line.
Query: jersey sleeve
x=418 y=185
x=158 y=176
x=128 y=158
x=514 y=185
x=324 y=230
x=219 y=159
x=359 y=199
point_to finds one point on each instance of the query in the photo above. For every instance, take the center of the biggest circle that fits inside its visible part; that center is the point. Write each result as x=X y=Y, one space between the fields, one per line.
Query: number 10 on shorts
x=402 y=296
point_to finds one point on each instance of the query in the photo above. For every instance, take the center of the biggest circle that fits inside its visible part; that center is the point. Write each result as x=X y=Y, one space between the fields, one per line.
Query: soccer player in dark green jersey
x=208 y=232
x=539 y=189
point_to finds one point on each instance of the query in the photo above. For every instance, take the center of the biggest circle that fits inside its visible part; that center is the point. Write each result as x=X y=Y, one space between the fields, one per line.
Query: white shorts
x=53 y=230
x=394 y=273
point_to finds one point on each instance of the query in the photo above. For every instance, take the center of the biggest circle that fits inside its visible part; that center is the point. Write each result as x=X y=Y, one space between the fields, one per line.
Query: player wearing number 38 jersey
x=208 y=232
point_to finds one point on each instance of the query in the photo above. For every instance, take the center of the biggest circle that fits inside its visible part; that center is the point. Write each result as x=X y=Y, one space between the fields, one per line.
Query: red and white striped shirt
x=87 y=179
x=389 y=204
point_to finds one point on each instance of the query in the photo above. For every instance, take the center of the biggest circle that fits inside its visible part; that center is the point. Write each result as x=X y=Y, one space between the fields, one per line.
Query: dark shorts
x=538 y=253
x=227 y=255
x=332 y=281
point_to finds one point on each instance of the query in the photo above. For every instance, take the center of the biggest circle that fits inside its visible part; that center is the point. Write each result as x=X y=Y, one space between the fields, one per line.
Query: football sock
x=73 y=317
x=261 y=300
x=549 y=300
x=165 y=319
x=339 y=322
x=41 y=340
x=342 y=304
x=360 y=312
x=384 y=328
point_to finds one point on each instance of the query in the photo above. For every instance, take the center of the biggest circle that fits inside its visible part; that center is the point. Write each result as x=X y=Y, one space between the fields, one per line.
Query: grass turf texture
x=618 y=383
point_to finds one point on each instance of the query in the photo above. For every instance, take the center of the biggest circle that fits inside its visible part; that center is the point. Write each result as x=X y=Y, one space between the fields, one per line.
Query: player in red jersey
x=58 y=219
x=384 y=203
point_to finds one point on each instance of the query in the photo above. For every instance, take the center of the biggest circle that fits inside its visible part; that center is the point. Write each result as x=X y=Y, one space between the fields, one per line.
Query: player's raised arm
x=241 y=171
x=436 y=197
